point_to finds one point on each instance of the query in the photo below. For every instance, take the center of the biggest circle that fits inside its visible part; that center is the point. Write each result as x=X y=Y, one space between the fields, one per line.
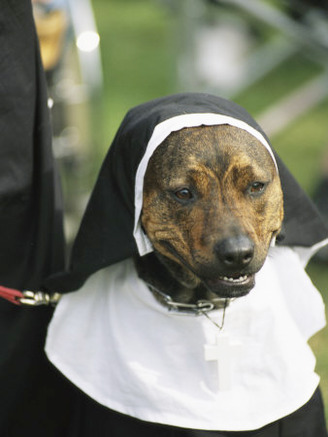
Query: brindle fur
x=219 y=164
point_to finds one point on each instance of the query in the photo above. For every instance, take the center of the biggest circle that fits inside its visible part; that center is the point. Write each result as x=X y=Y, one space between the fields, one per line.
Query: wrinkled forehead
x=160 y=133
x=219 y=148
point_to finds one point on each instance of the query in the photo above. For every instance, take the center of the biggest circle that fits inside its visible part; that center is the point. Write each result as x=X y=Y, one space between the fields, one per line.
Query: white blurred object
x=220 y=54
x=88 y=42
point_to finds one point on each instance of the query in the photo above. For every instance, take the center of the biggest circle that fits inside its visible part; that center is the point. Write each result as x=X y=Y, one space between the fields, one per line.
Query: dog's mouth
x=231 y=286
x=226 y=286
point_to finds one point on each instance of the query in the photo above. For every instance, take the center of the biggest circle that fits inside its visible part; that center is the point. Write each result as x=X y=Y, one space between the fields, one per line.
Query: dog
x=212 y=205
x=192 y=191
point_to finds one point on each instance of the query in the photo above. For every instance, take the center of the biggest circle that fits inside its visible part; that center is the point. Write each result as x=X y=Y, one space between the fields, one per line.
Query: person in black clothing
x=31 y=232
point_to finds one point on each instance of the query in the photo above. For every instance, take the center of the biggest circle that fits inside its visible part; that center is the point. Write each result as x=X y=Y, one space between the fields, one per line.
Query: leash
x=28 y=297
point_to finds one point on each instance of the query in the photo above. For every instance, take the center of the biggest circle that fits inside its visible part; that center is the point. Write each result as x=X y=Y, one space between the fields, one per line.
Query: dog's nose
x=235 y=252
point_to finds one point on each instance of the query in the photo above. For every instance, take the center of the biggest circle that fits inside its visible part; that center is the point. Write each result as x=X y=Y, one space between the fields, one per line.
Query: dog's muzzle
x=232 y=278
x=235 y=253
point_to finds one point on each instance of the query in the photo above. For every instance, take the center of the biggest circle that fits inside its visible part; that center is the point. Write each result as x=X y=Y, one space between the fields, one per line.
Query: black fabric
x=31 y=235
x=77 y=415
x=105 y=235
x=306 y=422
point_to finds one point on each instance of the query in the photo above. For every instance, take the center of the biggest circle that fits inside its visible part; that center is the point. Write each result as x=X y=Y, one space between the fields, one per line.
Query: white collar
x=128 y=352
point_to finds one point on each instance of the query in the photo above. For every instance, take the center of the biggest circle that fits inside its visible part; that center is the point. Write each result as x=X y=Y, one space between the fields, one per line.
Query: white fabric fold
x=115 y=342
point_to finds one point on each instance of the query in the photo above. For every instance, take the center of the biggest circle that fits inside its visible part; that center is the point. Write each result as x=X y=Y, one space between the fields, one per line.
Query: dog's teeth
x=240 y=279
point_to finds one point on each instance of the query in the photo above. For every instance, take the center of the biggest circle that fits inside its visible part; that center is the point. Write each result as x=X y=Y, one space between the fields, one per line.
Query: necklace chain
x=219 y=326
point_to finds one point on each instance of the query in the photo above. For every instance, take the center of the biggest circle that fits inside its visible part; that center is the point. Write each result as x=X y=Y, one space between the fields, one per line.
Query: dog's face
x=212 y=204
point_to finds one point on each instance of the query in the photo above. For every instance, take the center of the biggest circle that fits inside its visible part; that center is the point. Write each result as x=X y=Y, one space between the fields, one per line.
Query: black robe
x=31 y=234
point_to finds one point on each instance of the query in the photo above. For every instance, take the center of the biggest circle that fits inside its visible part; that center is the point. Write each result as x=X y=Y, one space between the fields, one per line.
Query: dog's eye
x=256 y=187
x=183 y=194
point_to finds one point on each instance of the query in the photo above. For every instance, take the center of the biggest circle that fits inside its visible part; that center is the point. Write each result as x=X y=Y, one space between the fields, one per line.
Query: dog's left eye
x=256 y=187
x=183 y=194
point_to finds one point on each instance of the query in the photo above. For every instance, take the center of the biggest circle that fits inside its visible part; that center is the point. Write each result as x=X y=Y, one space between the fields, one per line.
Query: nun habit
x=133 y=366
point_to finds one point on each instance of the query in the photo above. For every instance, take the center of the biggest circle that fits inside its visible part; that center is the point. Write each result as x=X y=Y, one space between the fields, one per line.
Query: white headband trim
x=160 y=133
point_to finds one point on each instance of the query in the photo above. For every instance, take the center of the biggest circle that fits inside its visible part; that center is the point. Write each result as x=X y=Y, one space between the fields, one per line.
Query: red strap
x=11 y=294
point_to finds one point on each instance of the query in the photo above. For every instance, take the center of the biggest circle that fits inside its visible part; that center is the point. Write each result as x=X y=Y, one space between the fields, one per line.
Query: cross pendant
x=223 y=352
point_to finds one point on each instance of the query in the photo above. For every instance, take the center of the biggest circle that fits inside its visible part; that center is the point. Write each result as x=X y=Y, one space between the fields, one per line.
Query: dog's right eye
x=184 y=194
x=256 y=187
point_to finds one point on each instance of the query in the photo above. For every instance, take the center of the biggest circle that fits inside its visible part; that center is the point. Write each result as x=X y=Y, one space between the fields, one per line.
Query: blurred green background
x=141 y=41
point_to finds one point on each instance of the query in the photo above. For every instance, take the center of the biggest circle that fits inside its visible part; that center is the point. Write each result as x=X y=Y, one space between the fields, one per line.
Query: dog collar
x=201 y=307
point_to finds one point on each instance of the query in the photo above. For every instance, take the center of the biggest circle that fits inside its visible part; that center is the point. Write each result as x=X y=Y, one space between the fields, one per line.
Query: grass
x=138 y=53
x=136 y=56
